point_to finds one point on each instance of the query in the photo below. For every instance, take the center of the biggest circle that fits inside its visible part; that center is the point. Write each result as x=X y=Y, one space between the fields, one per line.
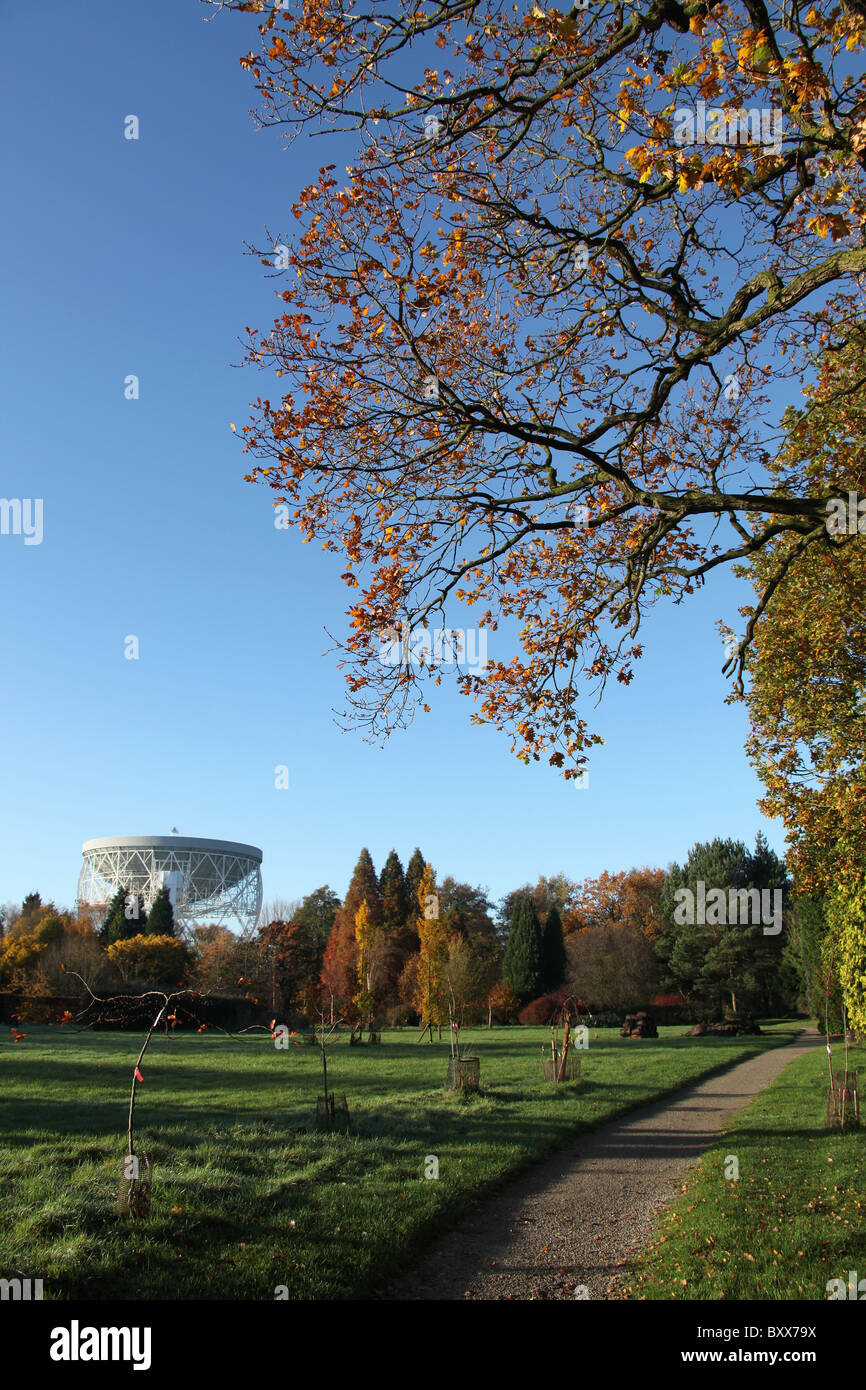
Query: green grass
x=247 y=1195
x=792 y=1220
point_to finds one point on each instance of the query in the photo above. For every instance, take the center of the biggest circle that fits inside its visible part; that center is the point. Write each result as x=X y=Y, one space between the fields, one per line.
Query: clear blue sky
x=124 y=257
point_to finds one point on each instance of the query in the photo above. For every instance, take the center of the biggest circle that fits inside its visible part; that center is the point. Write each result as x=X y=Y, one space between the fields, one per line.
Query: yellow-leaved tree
x=366 y=932
x=432 y=997
x=152 y=960
x=846 y=949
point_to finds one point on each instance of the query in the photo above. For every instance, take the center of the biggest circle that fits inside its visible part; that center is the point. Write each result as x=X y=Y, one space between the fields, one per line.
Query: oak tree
x=530 y=344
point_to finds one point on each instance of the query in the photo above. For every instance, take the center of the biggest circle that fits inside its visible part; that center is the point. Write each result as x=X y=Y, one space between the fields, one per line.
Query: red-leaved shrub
x=545 y=1009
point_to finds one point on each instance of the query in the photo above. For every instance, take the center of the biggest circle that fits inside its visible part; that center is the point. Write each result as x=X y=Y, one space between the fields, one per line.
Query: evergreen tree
x=399 y=937
x=414 y=875
x=553 y=958
x=521 y=965
x=136 y=915
x=722 y=961
x=126 y=917
x=160 y=919
x=395 y=901
x=113 y=925
x=363 y=888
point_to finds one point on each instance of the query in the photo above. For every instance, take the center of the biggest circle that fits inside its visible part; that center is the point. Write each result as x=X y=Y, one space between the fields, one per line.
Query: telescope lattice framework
x=208 y=880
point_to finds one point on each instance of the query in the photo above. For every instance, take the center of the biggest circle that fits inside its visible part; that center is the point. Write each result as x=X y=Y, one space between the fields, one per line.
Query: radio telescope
x=208 y=880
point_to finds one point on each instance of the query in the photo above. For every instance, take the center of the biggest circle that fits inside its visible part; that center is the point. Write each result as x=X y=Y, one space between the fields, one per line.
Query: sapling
x=326 y=1105
x=137 y=1178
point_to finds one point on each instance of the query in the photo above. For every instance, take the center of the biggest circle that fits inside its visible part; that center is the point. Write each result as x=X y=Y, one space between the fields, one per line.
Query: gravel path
x=577 y=1218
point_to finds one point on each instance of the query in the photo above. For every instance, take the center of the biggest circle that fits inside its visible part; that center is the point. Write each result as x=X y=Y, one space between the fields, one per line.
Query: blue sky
x=127 y=257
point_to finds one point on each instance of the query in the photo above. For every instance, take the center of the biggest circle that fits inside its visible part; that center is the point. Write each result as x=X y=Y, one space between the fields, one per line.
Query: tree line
x=720 y=935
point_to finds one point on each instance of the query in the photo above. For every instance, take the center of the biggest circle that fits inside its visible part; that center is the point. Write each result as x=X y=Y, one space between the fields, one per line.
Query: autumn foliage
x=631 y=898
x=807 y=691
x=529 y=341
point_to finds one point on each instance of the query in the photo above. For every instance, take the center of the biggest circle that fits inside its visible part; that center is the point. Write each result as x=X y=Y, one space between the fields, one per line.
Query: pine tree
x=160 y=919
x=720 y=962
x=553 y=958
x=521 y=965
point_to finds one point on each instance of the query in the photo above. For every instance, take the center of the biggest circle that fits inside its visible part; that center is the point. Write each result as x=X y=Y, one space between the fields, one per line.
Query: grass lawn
x=793 y=1220
x=247 y=1196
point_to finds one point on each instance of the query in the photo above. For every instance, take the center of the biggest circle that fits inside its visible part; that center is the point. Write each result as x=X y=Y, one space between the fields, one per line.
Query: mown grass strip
x=791 y=1221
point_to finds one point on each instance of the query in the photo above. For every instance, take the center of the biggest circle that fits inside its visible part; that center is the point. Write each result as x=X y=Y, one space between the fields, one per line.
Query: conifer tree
x=521 y=965
x=126 y=917
x=399 y=934
x=414 y=874
x=160 y=919
x=716 y=953
x=553 y=958
x=395 y=901
x=363 y=888
x=114 y=922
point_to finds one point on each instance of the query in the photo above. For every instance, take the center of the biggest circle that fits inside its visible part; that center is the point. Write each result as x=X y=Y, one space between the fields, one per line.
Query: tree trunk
x=565 y=1040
